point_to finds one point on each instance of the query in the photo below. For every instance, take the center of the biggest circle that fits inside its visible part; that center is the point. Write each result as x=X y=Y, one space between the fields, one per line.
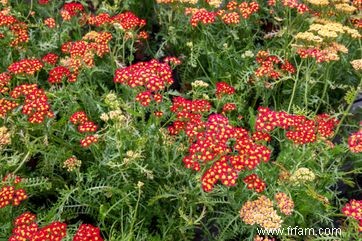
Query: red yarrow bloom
x=253 y=182
x=354 y=209
x=355 y=142
x=223 y=88
x=88 y=140
x=58 y=74
x=26 y=66
x=87 y=232
x=50 y=58
x=79 y=117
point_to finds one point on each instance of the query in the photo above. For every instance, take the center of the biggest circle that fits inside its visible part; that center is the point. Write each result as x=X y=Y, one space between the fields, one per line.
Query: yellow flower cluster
x=4 y=136
x=261 y=212
x=334 y=27
x=132 y=156
x=111 y=101
x=301 y=176
x=318 y=2
x=114 y=115
x=308 y=36
x=199 y=83
x=344 y=7
x=72 y=163
x=357 y=64
x=215 y=3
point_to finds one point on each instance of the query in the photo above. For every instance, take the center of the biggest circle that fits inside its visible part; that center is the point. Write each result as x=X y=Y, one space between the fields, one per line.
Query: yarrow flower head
x=253 y=182
x=26 y=228
x=299 y=129
x=151 y=77
x=260 y=212
x=50 y=58
x=72 y=163
x=87 y=232
x=12 y=195
x=302 y=175
x=355 y=142
x=5 y=138
x=354 y=209
x=36 y=105
x=26 y=66
x=70 y=10
x=223 y=88
x=259 y=238
x=285 y=203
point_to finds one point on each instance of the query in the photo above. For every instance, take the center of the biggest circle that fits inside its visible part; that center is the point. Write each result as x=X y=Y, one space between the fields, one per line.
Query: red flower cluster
x=173 y=61
x=267 y=66
x=354 y=209
x=188 y=115
x=11 y=195
x=247 y=9
x=80 y=118
x=355 y=142
x=320 y=55
x=43 y=2
x=220 y=170
x=26 y=228
x=50 y=22
x=126 y=20
x=261 y=136
x=294 y=4
x=299 y=129
x=253 y=182
x=87 y=232
x=88 y=140
x=50 y=58
x=223 y=88
x=58 y=74
x=234 y=10
x=211 y=141
x=4 y=81
x=228 y=107
x=12 y=178
x=82 y=52
x=70 y=10
x=18 y=29
x=36 y=105
x=6 y=106
x=152 y=76
x=200 y=16
x=26 y=66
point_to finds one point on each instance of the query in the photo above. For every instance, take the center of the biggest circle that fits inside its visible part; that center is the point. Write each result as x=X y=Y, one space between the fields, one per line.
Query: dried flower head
x=72 y=163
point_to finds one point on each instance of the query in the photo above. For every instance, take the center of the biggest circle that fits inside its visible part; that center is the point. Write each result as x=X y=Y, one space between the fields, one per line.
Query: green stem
x=325 y=88
x=293 y=94
x=22 y=162
x=346 y=112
